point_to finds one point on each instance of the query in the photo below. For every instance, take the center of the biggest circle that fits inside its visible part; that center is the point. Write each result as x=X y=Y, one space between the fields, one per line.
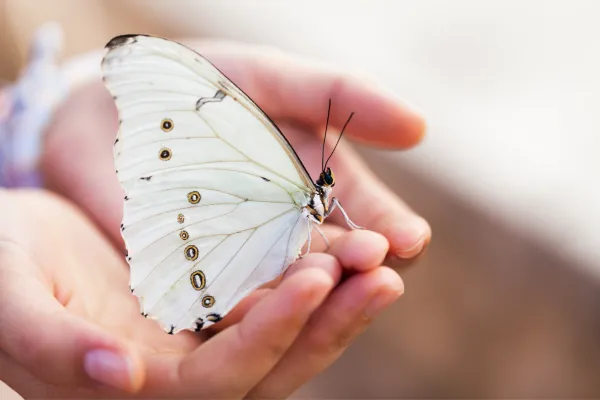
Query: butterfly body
x=217 y=202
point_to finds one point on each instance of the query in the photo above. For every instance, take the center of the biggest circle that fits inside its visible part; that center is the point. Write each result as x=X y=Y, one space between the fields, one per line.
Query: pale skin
x=64 y=281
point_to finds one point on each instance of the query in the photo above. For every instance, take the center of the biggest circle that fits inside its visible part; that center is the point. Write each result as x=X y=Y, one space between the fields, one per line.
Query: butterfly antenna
x=324 y=138
x=339 y=138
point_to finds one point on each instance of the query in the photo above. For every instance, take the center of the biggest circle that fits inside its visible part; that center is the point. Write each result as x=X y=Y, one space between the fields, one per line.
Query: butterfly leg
x=310 y=238
x=323 y=236
x=308 y=242
x=308 y=221
x=335 y=203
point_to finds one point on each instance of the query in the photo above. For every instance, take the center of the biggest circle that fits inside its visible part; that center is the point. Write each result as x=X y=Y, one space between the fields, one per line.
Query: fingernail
x=412 y=251
x=109 y=368
x=379 y=302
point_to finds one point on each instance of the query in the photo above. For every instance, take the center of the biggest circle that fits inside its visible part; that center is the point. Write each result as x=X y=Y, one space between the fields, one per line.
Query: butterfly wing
x=215 y=194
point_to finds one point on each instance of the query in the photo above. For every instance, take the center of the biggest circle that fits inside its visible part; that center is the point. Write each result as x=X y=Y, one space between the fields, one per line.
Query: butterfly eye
x=166 y=125
x=165 y=154
x=208 y=301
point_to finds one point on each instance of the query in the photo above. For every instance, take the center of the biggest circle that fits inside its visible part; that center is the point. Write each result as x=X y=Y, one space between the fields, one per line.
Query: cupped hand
x=276 y=339
x=71 y=329
x=78 y=159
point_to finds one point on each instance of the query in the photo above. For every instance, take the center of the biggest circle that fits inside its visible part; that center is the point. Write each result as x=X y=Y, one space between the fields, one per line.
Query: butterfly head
x=326 y=179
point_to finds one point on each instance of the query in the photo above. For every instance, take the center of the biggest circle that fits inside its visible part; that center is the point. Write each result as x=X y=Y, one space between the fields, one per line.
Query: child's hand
x=70 y=327
x=78 y=161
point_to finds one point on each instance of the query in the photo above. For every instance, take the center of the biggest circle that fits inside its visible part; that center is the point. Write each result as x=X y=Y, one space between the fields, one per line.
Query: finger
x=291 y=88
x=331 y=329
x=360 y=250
x=240 y=311
x=240 y=356
x=52 y=344
x=371 y=204
x=318 y=245
x=88 y=121
x=374 y=206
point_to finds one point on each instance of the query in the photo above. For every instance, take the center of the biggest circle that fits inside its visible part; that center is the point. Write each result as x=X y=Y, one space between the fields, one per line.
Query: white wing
x=215 y=194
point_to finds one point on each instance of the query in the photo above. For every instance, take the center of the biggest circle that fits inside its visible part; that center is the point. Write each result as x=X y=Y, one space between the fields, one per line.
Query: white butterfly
x=217 y=201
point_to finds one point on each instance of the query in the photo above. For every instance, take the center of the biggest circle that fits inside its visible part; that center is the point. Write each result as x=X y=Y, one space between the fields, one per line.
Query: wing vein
x=185 y=226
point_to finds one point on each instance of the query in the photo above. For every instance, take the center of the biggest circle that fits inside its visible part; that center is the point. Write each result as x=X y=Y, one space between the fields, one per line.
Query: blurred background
x=506 y=302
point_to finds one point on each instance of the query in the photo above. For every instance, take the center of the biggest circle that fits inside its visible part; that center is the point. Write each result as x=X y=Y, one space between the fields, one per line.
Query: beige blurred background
x=506 y=303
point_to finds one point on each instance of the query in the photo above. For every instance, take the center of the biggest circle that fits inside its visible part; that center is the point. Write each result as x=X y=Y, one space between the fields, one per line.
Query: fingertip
x=322 y=261
x=408 y=126
x=414 y=123
x=313 y=283
x=384 y=120
x=391 y=280
x=360 y=250
x=408 y=237
x=389 y=288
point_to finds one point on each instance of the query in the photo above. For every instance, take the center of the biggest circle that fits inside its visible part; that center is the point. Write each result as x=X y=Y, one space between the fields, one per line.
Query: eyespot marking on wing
x=208 y=301
x=167 y=125
x=165 y=154
x=191 y=252
x=180 y=218
x=198 y=280
x=184 y=235
x=194 y=197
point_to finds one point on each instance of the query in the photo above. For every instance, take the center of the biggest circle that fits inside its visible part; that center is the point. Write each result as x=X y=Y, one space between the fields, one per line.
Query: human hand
x=294 y=93
x=78 y=164
x=71 y=329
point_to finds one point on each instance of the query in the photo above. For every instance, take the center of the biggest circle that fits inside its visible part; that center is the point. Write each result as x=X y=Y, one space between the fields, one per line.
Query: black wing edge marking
x=199 y=324
x=131 y=38
x=122 y=40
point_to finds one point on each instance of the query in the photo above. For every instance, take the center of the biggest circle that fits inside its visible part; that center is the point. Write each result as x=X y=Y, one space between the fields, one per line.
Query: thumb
x=52 y=344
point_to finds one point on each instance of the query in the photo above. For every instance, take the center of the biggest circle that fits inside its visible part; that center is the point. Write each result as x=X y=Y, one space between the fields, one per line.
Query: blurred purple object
x=26 y=108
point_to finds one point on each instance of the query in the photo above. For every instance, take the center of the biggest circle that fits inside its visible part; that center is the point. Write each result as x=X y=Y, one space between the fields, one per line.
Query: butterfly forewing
x=214 y=194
